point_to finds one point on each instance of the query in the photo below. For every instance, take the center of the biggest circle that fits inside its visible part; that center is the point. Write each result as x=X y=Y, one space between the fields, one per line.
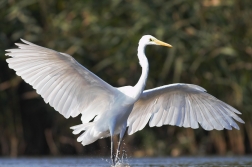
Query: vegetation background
x=212 y=47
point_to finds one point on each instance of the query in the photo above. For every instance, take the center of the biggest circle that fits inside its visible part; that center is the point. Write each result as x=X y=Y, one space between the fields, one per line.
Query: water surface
x=132 y=162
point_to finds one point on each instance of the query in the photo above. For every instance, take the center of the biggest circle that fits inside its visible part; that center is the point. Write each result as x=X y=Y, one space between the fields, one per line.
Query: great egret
x=72 y=90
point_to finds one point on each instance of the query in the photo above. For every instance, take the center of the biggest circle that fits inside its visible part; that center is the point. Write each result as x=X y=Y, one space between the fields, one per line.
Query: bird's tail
x=82 y=127
x=89 y=136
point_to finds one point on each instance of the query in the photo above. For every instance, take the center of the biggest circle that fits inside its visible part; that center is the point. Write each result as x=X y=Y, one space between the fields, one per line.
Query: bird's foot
x=113 y=160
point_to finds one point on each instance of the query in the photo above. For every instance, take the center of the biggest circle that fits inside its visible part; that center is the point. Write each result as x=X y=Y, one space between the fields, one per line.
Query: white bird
x=72 y=90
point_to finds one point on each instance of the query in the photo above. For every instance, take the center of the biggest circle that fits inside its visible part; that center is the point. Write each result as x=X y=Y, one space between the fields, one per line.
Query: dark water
x=132 y=162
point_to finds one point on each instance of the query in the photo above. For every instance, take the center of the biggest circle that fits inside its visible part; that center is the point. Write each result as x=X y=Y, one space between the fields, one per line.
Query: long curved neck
x=139 y=87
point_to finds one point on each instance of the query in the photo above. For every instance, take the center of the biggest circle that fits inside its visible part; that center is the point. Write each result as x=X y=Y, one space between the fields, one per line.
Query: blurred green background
x=212 y=47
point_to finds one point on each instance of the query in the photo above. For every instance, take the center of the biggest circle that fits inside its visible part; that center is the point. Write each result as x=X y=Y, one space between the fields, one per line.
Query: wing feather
x=206 y=124
x=155 y=118
x=212 y=115
x=193 y=116
x=186 y=122
x=69 y=100
x=63 y=83
x=182 y=105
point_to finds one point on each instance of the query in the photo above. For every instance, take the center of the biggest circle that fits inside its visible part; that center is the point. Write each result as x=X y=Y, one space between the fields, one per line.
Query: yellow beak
x=158 y=42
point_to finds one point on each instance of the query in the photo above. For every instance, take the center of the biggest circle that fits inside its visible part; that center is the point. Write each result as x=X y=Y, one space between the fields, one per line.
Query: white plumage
x=72 y=90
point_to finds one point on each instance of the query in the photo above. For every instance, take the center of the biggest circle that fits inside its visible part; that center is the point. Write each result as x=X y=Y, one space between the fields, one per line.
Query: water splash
x=122 y=162
x=118 y=164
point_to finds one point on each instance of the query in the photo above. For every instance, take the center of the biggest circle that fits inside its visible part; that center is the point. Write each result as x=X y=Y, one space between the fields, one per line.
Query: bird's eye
x=151 y=39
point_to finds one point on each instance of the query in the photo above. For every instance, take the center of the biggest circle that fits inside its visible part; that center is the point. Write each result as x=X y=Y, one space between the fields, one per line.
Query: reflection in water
x=132 y=162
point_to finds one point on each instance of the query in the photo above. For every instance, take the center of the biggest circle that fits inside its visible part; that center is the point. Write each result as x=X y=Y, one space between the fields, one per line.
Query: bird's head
x=150 y=40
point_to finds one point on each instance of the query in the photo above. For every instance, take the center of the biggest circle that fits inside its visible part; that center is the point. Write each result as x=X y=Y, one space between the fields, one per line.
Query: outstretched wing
x=182 y=105
x=63 y=83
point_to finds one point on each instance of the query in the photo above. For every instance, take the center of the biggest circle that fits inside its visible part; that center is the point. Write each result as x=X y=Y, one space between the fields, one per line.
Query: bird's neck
x=139 y=87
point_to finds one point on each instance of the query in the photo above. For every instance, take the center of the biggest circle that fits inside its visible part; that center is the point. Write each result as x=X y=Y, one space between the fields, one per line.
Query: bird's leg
x=119 y=143
x=118 y=150
x=112 y=152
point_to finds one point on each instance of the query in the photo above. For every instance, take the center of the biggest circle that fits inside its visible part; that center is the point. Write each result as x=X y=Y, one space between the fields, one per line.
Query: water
x=133 y=162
